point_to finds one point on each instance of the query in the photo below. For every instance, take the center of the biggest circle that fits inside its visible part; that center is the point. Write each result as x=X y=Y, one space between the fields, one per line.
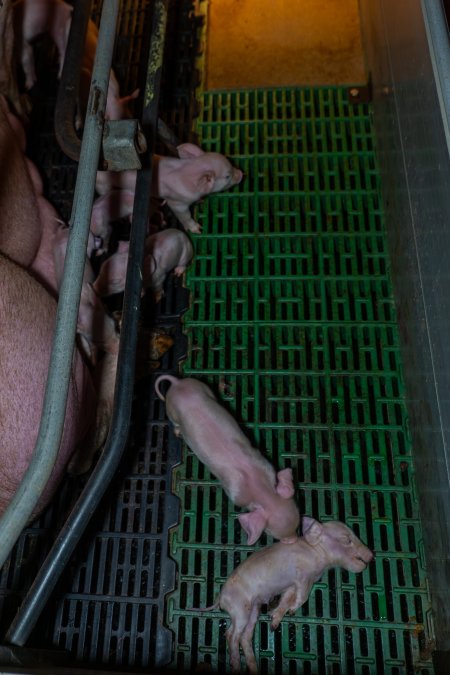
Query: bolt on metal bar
x=47 y=445
x=106 y=466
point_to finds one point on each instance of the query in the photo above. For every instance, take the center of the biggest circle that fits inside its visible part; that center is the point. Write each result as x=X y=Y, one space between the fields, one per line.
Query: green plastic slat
x=292 y=323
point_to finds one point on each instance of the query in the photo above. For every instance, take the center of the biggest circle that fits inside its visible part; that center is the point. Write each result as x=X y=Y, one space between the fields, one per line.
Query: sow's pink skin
x=179 y=181
x=248 y=479
x=288 y=570
x=28 y=312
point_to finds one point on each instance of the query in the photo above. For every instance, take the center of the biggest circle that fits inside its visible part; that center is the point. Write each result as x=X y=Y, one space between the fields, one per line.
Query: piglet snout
x=370 y=557
x=238 y=175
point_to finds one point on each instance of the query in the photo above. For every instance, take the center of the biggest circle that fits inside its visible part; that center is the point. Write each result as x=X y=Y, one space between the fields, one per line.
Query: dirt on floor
x=266 y=43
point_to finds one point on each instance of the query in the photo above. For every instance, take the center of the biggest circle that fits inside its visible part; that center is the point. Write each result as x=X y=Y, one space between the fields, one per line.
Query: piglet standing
x=288 y=570
x=248 y=479
x=179 y=181
x=166 y=251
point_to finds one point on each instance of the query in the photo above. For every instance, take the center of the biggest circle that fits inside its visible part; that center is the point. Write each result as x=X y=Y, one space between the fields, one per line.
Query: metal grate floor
x=292 y=322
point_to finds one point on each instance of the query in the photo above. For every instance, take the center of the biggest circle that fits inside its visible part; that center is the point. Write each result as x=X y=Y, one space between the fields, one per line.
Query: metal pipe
x=68 y=90
x=106 y=466
x=46 y=449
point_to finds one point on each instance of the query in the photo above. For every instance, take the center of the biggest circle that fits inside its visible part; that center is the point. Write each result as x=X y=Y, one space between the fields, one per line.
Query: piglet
x=288 y=570
x=179 y=181
x=33 y=18
x=116 y=105
x=95 y=326
x=247 y=477
x=166 y=251
x=106 y=209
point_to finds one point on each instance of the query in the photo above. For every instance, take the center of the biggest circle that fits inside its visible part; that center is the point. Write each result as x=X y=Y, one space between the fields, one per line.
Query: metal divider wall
x=292 y=323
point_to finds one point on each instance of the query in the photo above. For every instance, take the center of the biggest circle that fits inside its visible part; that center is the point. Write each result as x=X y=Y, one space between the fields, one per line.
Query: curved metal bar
x=46 y=449
x=107 y=465
x=67 y=99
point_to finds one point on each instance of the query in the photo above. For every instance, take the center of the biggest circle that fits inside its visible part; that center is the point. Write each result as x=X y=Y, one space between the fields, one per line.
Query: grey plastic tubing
x=47 y=445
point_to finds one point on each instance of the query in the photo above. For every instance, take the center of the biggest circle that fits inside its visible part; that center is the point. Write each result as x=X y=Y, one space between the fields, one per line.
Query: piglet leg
x=183 y=213
x=233 y=635
x=291 y=599
x=246 y=641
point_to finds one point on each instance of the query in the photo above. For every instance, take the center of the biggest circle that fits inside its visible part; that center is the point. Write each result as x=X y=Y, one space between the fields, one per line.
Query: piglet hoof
x=194 y=227
x=274 y=624
x=178 y=271
x=235 y=665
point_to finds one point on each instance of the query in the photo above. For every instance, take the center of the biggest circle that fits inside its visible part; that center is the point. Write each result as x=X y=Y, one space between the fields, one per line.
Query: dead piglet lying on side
x=248 y=479
x=166 y=251
x=289 y=570
x=181 y=181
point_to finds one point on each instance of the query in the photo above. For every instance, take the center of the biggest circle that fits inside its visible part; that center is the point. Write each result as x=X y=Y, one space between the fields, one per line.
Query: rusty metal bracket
x=123 y=141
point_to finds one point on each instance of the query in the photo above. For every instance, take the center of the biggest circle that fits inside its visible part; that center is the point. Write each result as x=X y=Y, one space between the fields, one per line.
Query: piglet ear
x=312 y=530
x=206 y=182
x=254 y=524
x=189 y=150
x=285 y=483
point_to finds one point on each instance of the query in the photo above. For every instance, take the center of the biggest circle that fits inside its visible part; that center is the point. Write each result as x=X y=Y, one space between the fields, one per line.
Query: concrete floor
x=265 y=43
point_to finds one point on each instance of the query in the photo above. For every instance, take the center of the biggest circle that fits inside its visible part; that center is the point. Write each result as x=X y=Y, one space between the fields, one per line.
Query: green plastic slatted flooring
x=292 y=323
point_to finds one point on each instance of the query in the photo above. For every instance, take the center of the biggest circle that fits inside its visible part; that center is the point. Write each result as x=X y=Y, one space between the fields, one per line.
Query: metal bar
x=106 y=466
x=46 y=449
x=69 y=85
x=68 y=89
